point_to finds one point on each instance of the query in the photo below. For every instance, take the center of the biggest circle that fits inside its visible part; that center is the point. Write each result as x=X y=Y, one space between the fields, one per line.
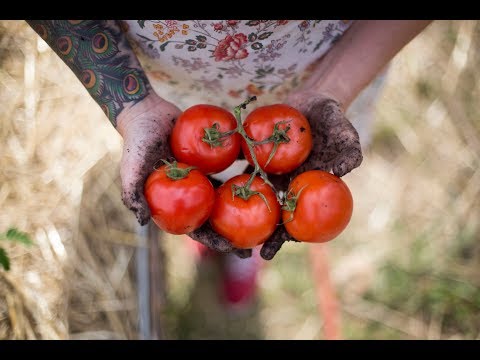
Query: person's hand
x=336 y=148
x=145 y=128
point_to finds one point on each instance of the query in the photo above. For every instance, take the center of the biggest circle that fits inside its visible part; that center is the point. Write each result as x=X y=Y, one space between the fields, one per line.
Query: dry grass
x=407 y=266
x=53 y=136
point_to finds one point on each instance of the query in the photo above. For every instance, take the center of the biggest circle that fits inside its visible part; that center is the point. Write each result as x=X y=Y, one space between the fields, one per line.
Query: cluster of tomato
x=246 y=209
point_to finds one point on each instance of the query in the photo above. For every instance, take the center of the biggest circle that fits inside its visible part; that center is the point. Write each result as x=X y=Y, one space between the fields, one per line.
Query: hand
x=336 y=148
x=145 y=129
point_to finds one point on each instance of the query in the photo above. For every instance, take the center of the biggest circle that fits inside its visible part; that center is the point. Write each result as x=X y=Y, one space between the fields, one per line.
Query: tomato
x=186 y=138
x=323 y=208
x=179 y=206
x=259 y=125
x=245 y=223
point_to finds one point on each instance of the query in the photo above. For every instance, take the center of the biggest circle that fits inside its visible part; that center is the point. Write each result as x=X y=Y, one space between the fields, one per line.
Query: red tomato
x=245 y=223
x=259 y=125
x=323 y=209
x=179 y=206
x=186 y=138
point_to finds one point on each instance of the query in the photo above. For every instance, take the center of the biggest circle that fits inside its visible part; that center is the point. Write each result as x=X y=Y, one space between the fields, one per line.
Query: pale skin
x=145 y=120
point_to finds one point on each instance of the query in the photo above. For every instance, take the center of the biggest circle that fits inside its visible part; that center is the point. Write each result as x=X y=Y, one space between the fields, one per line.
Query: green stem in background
x=12 y=235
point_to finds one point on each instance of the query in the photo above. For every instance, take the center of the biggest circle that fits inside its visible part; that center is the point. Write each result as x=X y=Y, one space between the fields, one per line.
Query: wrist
x=133 y=113
x=330 y=79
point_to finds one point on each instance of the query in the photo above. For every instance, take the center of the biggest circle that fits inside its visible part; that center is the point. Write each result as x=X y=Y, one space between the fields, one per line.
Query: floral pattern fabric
x=221 y=62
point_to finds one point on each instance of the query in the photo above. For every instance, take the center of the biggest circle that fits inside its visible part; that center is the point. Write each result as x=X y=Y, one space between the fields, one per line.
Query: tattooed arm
x=99 y=54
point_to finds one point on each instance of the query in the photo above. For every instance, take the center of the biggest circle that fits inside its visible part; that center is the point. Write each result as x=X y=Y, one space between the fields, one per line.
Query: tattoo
x=98 y=53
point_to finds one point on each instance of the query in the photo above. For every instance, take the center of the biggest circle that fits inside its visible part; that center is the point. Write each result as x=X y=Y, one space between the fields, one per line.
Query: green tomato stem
x=214 y=137
x=250 y=144
x=174 y=172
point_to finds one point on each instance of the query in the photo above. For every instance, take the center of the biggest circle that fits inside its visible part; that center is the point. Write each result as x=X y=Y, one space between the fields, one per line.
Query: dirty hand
x=336 y=148
x=145 y=128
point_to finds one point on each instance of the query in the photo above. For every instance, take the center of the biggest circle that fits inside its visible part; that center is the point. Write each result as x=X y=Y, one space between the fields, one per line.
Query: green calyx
x=290 y=202
x=279 y=136
x=214 y=137
x=174 y=172
x=244 y=192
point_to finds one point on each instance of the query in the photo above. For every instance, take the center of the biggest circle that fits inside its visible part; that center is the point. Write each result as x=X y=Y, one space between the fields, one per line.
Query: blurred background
x=407 y=266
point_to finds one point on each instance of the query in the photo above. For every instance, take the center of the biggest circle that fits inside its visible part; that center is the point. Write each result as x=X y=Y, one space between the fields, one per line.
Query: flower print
x=217 y=26
x=149 y=49
x=233 y=72
x=190 y=65
x=304 y=25
x=252 y=89
x=231 y=48
x=234 y=93
x=234 y=59
x=287 y=73
x=270 y=53
x=171 y=24
x=213 y=85
x=159 y=75
x=327 y=33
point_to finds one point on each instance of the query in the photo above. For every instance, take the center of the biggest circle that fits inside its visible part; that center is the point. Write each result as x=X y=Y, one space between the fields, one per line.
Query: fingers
x=347 y=161
x=133 y=177
x=243 y=253
x=211 y=239
x=324 y=113
x=135 y=201
x=272 y=245
x=140 y=154
x=336 y=141
x=206 y=236
x=347 y=143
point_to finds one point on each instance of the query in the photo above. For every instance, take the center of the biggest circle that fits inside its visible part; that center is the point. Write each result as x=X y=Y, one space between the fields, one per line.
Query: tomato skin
x=179 y=206
x=259 y=125
x=186 y=138
x=323 y=210
x=245 y=223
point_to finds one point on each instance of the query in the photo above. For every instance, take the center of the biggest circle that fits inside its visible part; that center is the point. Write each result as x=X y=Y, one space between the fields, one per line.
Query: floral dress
x=221 y=62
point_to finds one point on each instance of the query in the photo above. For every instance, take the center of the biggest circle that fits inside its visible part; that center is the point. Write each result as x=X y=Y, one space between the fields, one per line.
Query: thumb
x=135 y=201
x=133 y=175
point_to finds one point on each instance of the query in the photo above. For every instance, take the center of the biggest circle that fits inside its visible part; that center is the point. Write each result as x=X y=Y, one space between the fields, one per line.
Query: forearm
x=99 y=54
x=360 y=54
